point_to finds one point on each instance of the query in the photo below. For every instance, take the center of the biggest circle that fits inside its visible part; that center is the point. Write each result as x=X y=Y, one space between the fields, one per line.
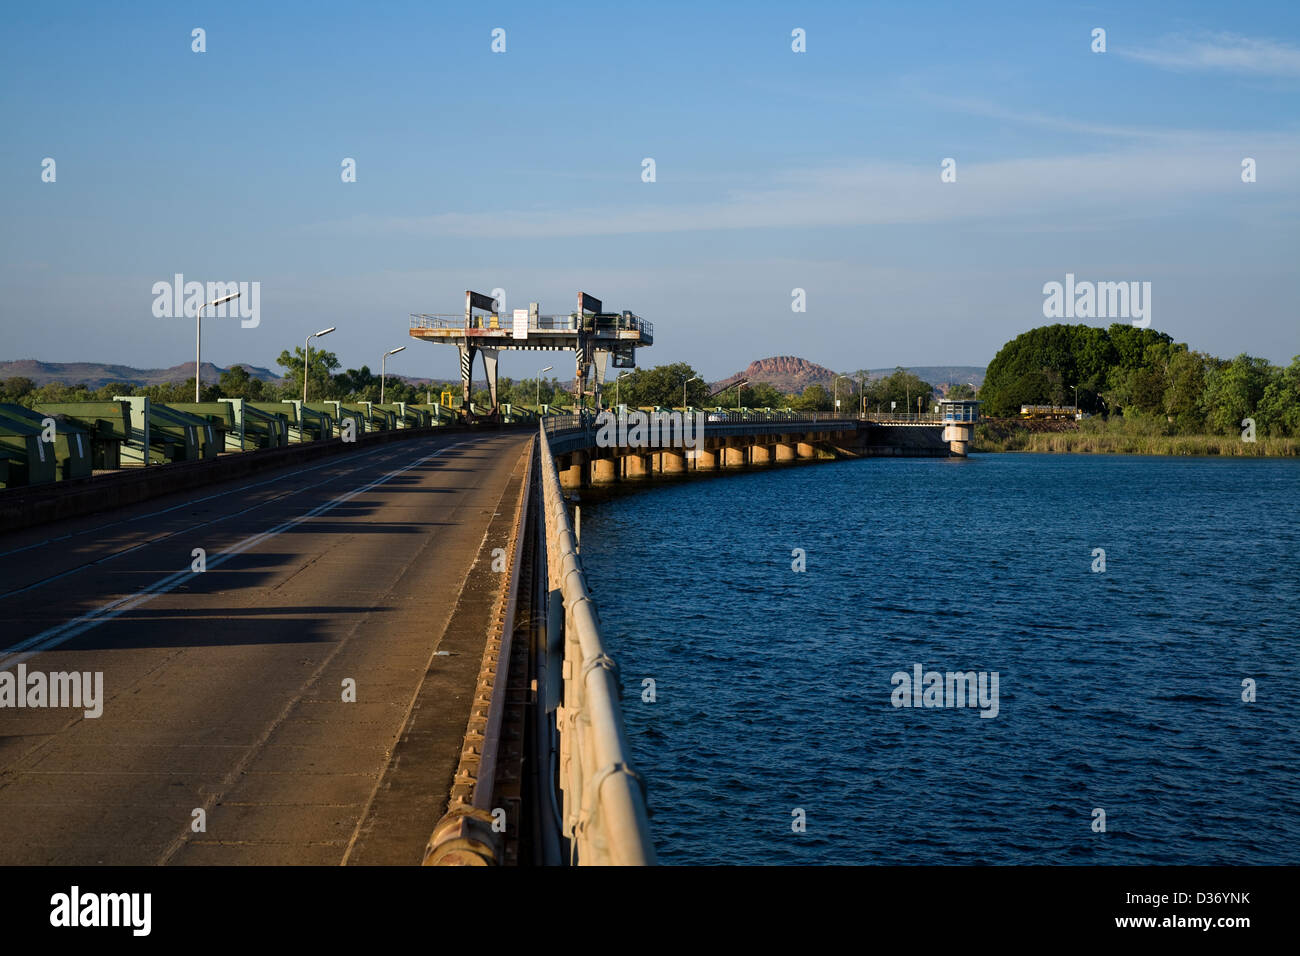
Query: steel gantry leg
x=490 y=367
x=600 y=361
x=467 y=374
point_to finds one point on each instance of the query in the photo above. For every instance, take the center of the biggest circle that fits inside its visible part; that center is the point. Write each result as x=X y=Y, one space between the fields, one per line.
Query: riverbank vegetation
x=1122 y=437
x=1145 y=385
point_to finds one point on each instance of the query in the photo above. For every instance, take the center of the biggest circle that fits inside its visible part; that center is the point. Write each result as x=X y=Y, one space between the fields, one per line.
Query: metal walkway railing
x=604 y=806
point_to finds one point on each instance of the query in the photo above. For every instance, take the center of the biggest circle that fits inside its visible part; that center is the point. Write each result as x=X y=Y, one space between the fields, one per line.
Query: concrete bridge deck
x=223 y=690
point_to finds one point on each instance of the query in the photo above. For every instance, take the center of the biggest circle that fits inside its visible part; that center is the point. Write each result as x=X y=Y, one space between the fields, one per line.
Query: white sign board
x=521 y=324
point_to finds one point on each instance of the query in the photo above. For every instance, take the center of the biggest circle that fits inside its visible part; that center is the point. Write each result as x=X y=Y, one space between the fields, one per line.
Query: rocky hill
x=792 y=374
x=785 y=372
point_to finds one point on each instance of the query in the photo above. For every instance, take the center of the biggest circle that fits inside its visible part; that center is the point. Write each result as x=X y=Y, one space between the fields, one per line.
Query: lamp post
x=538 y=403
x=739 y=386
x=306 y=351
x=198 y=337
x=836 y=387
x=684 y=384
x=616 y=384
x=383 y=370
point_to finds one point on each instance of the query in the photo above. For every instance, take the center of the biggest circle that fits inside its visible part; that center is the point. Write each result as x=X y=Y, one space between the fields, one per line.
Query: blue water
x=1118 y=690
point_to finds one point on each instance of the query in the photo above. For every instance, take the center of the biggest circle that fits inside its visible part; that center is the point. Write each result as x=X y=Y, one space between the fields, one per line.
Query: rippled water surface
x=1118 y=690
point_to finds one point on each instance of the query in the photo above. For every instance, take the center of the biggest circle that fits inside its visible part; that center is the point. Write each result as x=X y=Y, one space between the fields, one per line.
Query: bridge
x=382 y=651
x=344 y=633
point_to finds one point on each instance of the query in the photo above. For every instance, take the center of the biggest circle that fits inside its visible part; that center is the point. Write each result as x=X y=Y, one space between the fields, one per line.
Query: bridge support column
x=672 y=462
x=705 y=460
x=605 y=470
x=958 y=438
x=733 y=457
x=760 y=455
x=576 y=474
x=784 y=451
x=638 y=466
x=806 y=450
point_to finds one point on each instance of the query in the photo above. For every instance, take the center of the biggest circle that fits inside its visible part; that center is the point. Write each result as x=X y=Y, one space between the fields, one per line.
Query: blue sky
x=521 y=170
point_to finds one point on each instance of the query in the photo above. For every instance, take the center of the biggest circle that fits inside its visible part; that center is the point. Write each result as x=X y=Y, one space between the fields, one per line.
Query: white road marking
x=59 y=634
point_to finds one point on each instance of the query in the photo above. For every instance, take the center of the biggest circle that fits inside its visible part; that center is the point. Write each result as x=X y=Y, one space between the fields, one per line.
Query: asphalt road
x=225 y=736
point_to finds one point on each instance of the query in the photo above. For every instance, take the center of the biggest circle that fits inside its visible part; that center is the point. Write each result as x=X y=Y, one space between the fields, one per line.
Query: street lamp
x=739 y=386
x=684 y=384
x=306 y=351
x=198 y=335
x=383 y=370
x=836 y=387
x=616 y=383
x=539 y=388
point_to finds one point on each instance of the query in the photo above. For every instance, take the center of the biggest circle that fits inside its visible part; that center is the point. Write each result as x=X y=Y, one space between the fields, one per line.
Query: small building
x=965 y=410
x=959 y=416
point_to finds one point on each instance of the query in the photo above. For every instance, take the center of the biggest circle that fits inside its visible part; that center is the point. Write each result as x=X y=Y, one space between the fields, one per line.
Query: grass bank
x=1113 y=438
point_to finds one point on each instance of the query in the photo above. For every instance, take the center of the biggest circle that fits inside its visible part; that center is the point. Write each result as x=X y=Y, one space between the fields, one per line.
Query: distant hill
x=98 y=374
x=792 y=374
x=785 y=372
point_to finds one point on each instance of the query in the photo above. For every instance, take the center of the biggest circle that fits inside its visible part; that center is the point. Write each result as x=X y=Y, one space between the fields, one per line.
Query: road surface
x=226 y=734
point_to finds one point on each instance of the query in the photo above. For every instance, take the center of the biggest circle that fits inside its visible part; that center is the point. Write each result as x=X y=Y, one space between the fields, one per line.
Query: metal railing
x=536 y=323
x=922 y=418
x=587 y=420
x=604 y=806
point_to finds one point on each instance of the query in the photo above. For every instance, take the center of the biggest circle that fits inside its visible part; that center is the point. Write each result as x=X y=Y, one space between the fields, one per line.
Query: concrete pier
x=605 y=470
x=576 y=475
x=672 y=462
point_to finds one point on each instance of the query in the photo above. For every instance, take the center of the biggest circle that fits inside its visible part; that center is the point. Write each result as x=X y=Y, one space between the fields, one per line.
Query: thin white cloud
x=1229 y=52
x=979 y=107
x=1058 y=189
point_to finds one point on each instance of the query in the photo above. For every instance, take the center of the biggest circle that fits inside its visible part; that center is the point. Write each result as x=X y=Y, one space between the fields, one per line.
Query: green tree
x=815 y=398
x=14 y=390
x=1186 y=385
x=901 y=388
x=661 y=385
x=1279 y=406
x=236 y=382
x=762 y=395
x=358 y=385
x=1233 y=391
x=319 y=376
x=1044 y=365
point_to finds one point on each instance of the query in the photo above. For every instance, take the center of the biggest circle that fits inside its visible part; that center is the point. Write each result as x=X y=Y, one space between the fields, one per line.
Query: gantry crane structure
x=594 y=335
